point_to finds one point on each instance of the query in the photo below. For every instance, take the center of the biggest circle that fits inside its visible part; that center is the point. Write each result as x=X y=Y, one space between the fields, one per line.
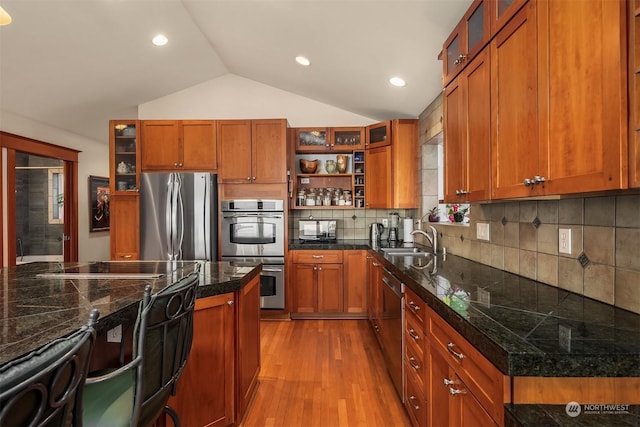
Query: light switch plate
x=482 y=231
x=115 y=334
x=484 y=298
x=564 y=338
x=305 y=180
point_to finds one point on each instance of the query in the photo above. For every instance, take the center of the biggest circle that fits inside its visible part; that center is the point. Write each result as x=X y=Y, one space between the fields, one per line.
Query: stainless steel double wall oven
x=253 y=230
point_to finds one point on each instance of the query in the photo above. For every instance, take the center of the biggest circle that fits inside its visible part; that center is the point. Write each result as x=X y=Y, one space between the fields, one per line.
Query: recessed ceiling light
x=397 y=81
x=160 y=40
x=302 y=60
x=5 y=18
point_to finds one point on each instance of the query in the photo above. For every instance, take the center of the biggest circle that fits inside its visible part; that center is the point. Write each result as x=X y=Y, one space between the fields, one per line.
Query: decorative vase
x=330 y=166
x=434 y=218
x=343 y=161
x=458 y=217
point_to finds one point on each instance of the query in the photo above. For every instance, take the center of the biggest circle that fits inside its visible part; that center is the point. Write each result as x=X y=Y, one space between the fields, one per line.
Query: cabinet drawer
x=317 y=257
x=415 y=305
x=415 y=401
x=414 y=334
x=414 y=362
x=480 y=376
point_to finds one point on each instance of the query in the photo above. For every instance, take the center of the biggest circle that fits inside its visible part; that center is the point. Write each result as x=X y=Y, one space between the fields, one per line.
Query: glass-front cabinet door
x=468 y=38
x=312 y=139
x=124 y=159
x=379 y=135
x=503 y=11
x=346 y=139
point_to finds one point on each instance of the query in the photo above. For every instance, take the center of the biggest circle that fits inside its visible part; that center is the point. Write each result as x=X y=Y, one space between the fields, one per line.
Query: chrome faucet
x=433 y=238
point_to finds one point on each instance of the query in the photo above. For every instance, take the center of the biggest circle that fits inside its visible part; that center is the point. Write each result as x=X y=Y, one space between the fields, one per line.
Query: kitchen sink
x=409 y=251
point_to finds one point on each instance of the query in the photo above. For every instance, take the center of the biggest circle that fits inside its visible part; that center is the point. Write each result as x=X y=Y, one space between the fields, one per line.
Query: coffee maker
x=394 y=223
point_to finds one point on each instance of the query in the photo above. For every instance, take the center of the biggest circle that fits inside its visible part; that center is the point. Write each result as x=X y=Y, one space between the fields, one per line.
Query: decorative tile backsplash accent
x=604 y=262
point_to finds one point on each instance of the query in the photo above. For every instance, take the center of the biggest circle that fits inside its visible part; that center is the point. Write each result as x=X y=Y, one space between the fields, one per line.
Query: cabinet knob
x=320 y=268
x=527 y=182
x=454 y=391
x=230 y=302
x=253 y=178
x=460 y=59
x=539 y=179
x=248 y=178
x=180 y=165
x=175 y=165
x=448 y=381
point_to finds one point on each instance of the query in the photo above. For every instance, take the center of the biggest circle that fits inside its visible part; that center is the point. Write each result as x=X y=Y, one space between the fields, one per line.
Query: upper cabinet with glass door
x=502 y=11
x=124 y=137
x=472 y=33
x=317 y=140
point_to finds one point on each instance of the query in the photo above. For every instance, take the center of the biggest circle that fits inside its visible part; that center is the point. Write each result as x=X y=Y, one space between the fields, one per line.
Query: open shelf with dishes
x=125 y=159
x=332 y=181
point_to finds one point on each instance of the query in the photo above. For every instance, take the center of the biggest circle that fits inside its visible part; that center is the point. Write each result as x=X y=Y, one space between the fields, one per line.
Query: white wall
x=92 y=160
x=233 y=97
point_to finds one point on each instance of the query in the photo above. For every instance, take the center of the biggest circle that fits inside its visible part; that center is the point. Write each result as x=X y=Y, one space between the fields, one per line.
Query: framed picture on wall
x=98 y=203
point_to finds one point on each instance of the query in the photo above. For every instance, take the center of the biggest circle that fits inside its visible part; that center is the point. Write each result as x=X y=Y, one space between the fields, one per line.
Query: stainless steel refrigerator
x=178 y=216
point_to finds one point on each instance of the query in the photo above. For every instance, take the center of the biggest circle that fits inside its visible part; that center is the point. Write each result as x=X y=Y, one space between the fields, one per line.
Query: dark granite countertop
x=35 y=310
x=515 y=322
x=341 y=244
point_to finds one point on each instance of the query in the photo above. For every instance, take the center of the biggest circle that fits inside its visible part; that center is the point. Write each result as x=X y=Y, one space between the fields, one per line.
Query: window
x=56 y=196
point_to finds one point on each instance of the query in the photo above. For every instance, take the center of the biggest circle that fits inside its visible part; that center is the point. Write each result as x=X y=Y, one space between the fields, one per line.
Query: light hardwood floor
x=323 y=373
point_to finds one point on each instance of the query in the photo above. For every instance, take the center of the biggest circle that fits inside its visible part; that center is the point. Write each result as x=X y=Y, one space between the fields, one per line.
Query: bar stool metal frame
x=136 y=393
x=44 y=387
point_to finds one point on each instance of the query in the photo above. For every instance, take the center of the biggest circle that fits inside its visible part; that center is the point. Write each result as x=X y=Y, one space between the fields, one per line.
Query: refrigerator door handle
x=169 y=218
x=180 y=219
x=206 y=219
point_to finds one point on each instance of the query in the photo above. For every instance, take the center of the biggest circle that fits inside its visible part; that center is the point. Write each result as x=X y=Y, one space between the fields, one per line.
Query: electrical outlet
x=385 y=222
x=484 y=298
x=115 y=334
x=564 y=241
x=482 y=231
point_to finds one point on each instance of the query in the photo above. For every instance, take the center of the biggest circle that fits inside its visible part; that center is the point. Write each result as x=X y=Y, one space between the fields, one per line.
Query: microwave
x=317 y=230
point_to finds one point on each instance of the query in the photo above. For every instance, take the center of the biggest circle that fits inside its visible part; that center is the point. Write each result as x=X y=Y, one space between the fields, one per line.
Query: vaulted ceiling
x=75 y=64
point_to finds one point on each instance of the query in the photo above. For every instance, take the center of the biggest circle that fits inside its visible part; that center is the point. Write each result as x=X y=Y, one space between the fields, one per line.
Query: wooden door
x=234 y=151
x=405 y=165
x=378 y=177
x=583 y=95
x=374 y=270
x=330 y=288
x=304 y=283
x=477 y=101
x=160 y=145
x=125 y=226
x=464 y=408
x=206 y=390
x=248 y=344
x=355 y=281
x=199 y=150
x=454 y=141
x=438 y=413
x=514 y=106
x=269 y=151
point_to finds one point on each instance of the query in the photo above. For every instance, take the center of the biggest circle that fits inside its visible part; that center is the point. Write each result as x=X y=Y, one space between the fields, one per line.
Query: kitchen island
x=36 y=307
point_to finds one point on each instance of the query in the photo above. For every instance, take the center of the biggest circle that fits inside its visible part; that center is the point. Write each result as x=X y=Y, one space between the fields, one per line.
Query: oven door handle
x=273 y=270
x=248 y=215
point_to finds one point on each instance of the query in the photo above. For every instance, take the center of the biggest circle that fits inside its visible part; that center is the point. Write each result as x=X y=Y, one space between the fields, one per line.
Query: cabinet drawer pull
x=453 y=352
x=414 y=365
x=448 y=381
x=317 y=256
x=414 y=306
x=415 y=406
x=413 y=334
x=126 y=256
x=454 y=391
x=375 y=264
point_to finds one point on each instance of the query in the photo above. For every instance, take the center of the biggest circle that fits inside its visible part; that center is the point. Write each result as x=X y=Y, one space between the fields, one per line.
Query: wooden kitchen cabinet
x=467 y=125
x=355 y=281
x=502 y=11
x=374 y=292
x=124 y=226
x=392 y=170
x=319 y=140
x=248 y=344
x=317 y=277
x=206 y=390
x=514 y=106
x=415 y=366
x=468 y=38
x=179 y=145
x=634 y=94
x=124 y=158
x=252 y=151
x=378 y=135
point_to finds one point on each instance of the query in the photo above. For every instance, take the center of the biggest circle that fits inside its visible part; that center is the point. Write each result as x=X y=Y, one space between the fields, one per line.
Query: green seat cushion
x=109 y=403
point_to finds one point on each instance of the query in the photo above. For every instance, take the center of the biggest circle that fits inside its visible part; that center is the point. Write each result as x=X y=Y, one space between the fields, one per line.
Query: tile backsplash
x=350 y=223
x=604 y=262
